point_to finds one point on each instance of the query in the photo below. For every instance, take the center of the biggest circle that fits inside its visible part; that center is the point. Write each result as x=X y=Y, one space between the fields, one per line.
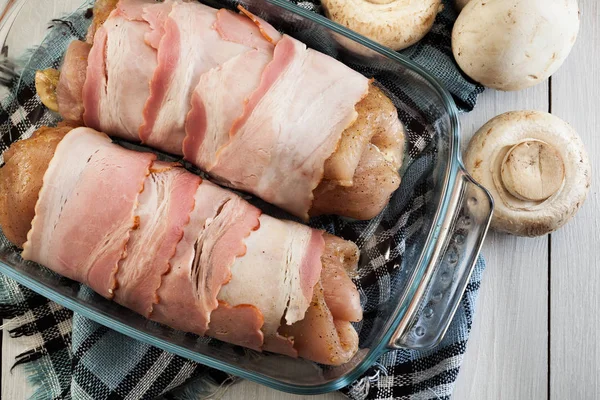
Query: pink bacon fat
x=163 y=211
x=217 y=102
x=190 y=45
x=289 y=256
x=241 y=29
x=120 y=65
x=213 y=239
x=290 y=125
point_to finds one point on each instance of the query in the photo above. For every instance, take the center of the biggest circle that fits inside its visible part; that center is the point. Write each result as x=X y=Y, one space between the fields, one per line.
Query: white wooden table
x=537 y=328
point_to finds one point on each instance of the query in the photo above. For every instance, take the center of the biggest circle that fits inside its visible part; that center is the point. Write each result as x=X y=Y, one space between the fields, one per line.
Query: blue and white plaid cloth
x=75 y=358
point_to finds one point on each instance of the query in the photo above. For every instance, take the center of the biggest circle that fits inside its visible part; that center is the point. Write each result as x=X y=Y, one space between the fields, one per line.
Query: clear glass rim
x=454 y=165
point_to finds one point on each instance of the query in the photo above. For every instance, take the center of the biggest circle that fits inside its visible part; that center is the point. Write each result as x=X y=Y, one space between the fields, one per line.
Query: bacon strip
x=189 y=47
x=290 y=126
x=218 y=100
x=85 y=210
x=289 y=258
x=120 y=65
x=190 y=254
x=213 y=239
x=163 y=212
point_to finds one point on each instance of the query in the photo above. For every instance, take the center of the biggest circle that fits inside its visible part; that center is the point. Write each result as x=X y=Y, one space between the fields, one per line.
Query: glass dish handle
x=439 y=292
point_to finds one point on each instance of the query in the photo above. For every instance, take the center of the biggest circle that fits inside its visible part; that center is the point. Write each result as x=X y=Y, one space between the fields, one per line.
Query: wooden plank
x=507 y=353
x=575 y=273
x=14 y=384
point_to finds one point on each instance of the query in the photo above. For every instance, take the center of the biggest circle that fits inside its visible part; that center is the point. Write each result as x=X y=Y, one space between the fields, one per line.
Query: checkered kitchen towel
x=73 y=357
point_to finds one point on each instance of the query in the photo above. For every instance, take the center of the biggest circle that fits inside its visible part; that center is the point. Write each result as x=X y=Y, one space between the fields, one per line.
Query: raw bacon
x=189 y=47
x=255 y=109
x=120 y=65
x=85 y=211
x=187 y=253
x=290 y=126
x=163 y=211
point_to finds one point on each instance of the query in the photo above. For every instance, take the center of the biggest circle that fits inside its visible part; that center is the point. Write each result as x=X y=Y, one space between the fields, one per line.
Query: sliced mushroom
x=536 y=168
x=393 y=23
x=46 y=82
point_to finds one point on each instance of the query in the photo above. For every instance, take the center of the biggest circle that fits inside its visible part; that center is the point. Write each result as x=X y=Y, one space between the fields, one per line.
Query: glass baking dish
x=420 y=281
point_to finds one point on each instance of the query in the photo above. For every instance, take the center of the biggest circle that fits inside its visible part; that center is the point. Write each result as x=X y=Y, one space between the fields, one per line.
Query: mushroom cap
x=514 y=44
x=393 y=23
x=535 y=166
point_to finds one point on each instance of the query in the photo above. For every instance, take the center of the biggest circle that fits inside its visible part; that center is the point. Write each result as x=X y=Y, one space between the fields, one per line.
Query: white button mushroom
x=514 y=44
x=536 y=168
x=393 y=23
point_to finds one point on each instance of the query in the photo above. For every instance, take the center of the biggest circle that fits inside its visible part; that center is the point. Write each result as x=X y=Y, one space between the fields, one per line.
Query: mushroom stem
x=532 y=170
x=535 y=166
